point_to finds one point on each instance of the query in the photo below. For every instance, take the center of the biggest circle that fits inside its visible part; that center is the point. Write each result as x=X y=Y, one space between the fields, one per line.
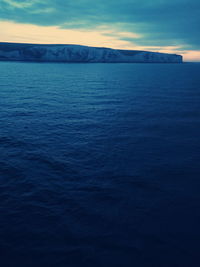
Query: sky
x=156 y=25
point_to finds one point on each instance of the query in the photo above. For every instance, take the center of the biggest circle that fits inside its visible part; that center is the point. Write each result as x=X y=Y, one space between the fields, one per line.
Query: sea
x=99 y=165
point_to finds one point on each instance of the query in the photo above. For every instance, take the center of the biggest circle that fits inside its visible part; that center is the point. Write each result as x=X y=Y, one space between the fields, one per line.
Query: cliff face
x=78 y=53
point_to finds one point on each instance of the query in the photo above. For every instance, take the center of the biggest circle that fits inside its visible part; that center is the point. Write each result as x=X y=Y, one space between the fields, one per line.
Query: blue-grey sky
x=157 y=24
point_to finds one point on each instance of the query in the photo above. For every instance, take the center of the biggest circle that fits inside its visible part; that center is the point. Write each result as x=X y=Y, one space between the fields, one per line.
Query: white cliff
x=78 y=53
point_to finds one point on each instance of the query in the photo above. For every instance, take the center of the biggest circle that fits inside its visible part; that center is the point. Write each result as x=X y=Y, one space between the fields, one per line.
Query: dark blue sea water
x=99 y=165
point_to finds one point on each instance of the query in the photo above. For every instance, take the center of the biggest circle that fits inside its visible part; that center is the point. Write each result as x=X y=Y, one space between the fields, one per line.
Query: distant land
x=78 y=53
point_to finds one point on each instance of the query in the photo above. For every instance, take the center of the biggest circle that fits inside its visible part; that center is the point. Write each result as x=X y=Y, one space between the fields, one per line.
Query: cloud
x=155 y=23
x=17 y=32
x=19 y=4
